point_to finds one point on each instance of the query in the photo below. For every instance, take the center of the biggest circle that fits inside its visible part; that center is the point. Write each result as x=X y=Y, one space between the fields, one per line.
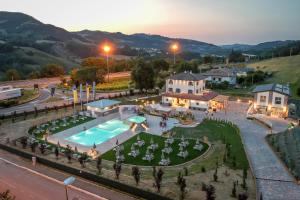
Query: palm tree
x=136 y=174
x=99 y=164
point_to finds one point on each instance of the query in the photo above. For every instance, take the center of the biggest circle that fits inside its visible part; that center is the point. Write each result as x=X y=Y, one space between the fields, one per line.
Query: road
x=27 y=185
x=43 y=183
x=44 y=95
x=44 y=82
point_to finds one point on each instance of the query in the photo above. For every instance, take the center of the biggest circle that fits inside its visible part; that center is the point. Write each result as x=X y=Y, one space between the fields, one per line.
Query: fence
x=87 y=175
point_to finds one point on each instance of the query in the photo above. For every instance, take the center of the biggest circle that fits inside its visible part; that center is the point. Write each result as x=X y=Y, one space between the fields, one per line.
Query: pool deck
x=153 y=122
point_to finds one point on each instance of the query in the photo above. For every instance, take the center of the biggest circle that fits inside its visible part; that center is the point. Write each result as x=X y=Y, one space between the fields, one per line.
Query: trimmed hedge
x=86 y=175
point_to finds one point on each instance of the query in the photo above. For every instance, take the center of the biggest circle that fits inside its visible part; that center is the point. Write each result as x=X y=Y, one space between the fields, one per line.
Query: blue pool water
x=100 y=133
x=137 y=119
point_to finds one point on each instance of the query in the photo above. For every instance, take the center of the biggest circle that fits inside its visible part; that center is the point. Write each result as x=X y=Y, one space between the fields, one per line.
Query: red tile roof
x=206 y=96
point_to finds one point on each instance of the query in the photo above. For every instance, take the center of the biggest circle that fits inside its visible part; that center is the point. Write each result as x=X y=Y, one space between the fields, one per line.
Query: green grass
x=59 y=125
x=110 y=155
x=115 y=84
x=222 y=131
x=285 y=69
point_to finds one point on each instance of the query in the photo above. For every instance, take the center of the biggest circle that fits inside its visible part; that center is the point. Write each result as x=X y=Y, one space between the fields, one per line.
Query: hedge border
x=86 y=175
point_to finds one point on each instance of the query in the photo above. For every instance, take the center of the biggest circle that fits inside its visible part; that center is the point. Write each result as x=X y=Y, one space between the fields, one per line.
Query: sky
x=213 y=21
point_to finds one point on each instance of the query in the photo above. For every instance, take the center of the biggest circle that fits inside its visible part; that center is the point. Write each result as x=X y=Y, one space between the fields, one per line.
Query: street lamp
x=106 y=49
x=67 y=182
x=174 y=48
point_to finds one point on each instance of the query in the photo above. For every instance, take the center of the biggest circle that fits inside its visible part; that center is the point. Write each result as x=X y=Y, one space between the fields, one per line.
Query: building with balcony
x=187 y=90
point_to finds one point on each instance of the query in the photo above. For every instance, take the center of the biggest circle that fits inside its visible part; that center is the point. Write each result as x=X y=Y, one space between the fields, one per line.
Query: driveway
x=272 y=178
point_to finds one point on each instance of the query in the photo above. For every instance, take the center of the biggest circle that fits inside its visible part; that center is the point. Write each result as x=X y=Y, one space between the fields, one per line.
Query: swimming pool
x=100 y=133
x=137 y=119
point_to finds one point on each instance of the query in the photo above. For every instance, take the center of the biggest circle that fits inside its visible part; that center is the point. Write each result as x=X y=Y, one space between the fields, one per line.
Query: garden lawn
x=59 y=125
x=115 y=84
x=217 y=130
x=175 y=160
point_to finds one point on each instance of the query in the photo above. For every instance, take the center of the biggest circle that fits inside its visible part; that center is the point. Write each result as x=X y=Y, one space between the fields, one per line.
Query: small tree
x=233 y=192
x=56 y=152
x=186 y=172
x=136 y=174
x=182 y=188
x=210 y=192
x=158 y=178
x=35 y=112
x=216 y=175
x=243 y=196
x=33 y=147
x=68 y=153
x=24 y=142
x=42 y=148
x=117 y=167
x=203 y=186
x=6 y=195
x=82 y=159
x=99 y=164
x=179 y=178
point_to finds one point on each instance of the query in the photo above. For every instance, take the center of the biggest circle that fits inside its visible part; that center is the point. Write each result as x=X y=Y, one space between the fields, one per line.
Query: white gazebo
x=102 y=106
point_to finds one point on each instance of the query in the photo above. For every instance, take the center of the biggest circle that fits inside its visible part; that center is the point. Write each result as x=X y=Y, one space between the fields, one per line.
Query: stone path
x=272 y=178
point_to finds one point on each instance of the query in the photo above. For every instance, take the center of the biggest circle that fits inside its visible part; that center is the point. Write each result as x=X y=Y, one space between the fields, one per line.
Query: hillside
x=286 y=70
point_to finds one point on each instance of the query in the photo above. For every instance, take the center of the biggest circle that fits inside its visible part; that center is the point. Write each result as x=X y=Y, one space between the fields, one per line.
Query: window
x=220 y=79
x=190 y=91
x=167 y=99
x=278 y=100
x=263 y=99
x=170 y=82
x=197 y=104
x=197 y=91
x=197 y=83
x=191 y=83
x=170 y=89
x=177 y=90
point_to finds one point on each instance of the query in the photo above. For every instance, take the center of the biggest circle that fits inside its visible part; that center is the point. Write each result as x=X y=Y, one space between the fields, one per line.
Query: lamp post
x=174 y=48
x=107 y=49
x=67 y=182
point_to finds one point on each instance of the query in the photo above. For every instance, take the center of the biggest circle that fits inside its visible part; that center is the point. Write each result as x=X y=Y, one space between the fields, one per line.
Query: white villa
x=272 y=99
x=187 y=90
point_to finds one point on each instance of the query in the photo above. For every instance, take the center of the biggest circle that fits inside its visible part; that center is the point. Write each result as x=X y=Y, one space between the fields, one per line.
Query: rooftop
x=187 y=76
x=282 y=89
x=103 y=103
x=206 y=96
x=223 y=72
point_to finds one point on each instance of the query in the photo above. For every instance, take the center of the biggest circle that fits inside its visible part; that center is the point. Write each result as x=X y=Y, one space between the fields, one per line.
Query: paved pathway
x=273 y=179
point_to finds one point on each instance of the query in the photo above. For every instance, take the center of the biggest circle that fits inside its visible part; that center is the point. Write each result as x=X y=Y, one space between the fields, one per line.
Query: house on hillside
x=271 y=99
x=221 y=75
x=242 y=71
x=188 y=90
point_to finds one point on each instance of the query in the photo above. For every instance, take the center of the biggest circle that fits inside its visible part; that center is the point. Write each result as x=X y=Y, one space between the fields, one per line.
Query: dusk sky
x=218 y=22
